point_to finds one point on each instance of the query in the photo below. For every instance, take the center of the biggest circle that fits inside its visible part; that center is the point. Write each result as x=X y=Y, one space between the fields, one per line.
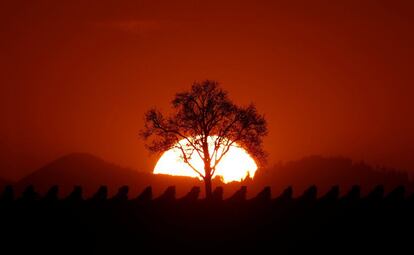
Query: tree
x=205 y=122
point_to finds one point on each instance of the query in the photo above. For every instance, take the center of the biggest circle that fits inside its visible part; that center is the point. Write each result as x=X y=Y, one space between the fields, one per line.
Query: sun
x=236 y=165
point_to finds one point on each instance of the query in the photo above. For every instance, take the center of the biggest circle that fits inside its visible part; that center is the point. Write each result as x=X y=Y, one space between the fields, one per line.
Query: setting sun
x=235 y=165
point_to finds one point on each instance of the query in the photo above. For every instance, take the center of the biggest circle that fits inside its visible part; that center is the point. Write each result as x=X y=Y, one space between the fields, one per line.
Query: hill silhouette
x=325 y=172
x=91 y=172
x=4 y=182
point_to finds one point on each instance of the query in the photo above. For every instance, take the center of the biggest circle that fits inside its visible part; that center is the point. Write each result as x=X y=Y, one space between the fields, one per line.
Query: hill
x=324 y=172
x=4 y=182
x=91 y=172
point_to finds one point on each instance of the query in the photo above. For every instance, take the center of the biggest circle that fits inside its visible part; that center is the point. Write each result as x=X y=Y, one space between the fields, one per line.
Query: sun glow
x=235 y=165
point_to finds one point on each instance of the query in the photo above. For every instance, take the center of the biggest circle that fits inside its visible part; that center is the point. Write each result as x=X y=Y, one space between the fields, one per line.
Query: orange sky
x=331 y=78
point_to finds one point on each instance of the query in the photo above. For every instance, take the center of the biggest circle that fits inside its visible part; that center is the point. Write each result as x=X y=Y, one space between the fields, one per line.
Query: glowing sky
x=331 y=77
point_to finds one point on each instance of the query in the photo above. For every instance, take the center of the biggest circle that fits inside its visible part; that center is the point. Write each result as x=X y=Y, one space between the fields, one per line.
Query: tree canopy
x=205 y=122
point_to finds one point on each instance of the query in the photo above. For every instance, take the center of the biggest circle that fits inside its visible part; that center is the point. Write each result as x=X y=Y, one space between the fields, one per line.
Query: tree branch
x=188 y=162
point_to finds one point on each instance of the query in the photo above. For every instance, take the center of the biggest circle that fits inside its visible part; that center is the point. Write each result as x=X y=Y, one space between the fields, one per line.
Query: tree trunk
x=207 y=181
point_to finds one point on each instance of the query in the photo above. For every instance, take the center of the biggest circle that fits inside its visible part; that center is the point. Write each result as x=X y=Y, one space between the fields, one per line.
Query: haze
x=331 y=77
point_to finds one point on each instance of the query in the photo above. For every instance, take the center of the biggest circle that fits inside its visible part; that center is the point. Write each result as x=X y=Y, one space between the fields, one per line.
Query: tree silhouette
x=205 y=123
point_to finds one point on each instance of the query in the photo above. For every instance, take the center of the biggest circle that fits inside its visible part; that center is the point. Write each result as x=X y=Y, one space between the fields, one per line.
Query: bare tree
x=206 y=123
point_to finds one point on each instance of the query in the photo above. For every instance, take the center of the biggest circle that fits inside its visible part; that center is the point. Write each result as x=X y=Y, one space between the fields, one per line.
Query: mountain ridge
x=91 y=172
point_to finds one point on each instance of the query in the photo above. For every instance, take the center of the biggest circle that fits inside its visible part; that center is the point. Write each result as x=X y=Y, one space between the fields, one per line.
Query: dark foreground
x=376 y=223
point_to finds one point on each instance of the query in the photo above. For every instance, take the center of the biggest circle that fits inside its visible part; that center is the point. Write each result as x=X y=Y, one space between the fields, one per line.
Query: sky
x=331 y=77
